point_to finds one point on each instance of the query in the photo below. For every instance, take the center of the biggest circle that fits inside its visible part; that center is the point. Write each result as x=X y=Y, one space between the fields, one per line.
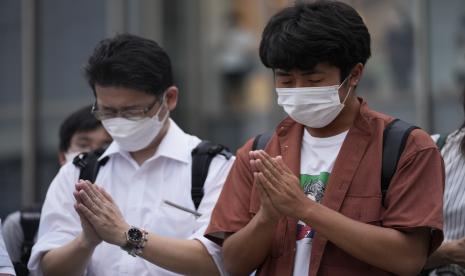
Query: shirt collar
x=174 y=146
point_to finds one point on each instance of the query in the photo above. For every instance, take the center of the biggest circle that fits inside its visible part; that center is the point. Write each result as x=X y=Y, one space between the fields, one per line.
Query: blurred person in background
x=449 y=258
x=312 y=202
x=236 y=60
x=6 y=267
x=79 y=132
x=139 y=218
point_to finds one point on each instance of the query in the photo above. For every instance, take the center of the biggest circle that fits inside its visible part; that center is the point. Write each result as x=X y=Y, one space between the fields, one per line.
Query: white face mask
x=134 y=135
x=314 y=107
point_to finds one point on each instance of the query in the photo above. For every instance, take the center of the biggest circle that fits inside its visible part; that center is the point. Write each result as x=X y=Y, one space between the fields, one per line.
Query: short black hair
x=130 y=61
x=79 y=121
x=304 y=35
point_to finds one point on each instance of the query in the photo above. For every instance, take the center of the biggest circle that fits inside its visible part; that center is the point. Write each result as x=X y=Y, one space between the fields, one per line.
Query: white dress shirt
x=6 y=266
x=13 y=235
x=454 y=191
x=139 y=191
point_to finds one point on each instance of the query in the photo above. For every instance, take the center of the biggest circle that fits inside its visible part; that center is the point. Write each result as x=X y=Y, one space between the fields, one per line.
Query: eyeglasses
x=133 y=114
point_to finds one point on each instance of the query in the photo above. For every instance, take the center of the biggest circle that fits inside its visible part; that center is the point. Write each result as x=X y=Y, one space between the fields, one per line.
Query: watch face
x=135 y=234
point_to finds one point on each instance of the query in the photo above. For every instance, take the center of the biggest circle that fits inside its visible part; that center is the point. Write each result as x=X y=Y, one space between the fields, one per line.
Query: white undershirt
x=316 y=163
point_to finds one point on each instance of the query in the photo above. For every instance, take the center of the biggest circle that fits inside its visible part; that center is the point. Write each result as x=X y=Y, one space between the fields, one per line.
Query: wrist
x=87 y=243
x=135 y=240
x=306 y=210
x=266 y=218
x=120 y=238
x=448 y=251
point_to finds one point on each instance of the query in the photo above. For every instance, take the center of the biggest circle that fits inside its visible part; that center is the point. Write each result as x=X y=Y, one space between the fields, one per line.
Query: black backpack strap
x=29 y=220
x=394 y=138
x=89 y=164
x=441 y=141
x=261 y=140
x=202 y=156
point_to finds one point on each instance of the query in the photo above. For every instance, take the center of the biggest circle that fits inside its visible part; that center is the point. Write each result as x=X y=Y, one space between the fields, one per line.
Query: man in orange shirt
x=311 y=202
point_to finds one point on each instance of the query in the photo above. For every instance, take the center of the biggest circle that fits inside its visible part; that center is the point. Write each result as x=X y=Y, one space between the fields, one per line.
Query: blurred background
x=416 y=73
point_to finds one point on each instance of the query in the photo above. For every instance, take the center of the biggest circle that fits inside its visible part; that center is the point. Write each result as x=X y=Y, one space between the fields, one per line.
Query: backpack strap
x=441 y=141
x=394 y=139
x=202 y=156
x=29 y=220
x=89 y=164
x=261 y=140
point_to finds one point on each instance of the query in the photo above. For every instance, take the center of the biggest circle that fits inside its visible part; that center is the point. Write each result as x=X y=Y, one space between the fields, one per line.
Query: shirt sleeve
x=59 y=222
x=215 y=252
x=216 y=177
x=232 y=211
x=415 y=195
x=7 y=270
x=13 y=235
x=5 y=263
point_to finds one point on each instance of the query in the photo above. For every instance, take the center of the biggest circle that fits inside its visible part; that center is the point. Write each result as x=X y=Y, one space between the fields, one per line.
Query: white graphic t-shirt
x=316 y=163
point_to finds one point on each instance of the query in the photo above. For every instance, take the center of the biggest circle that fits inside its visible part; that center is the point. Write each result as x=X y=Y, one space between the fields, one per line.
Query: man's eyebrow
x=280 y=72
x=99 y=105
x=311 y=72
x=82 y=138
x=134 y=106
x=122 y=107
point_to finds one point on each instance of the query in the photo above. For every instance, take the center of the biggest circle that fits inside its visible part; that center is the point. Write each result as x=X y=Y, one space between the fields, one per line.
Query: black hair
x=304 y=35
x=79 y=121
x=130 y=61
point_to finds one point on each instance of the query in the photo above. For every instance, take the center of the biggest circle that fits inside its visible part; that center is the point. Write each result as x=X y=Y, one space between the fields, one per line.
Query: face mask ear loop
x=348 y=92
x=347 y=95
x=163 y=103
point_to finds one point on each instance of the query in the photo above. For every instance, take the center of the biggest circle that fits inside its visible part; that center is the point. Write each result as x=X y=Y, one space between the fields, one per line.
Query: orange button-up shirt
x=414 y=198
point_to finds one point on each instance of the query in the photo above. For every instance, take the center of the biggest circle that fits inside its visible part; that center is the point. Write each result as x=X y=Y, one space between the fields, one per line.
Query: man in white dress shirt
x=90 y=228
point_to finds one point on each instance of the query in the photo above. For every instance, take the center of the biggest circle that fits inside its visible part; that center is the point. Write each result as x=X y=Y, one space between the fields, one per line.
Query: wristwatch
x=135 y=241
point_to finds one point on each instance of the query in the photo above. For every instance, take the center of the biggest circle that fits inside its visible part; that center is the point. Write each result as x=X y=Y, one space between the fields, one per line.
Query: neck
x=142 y=155
x=343 y=121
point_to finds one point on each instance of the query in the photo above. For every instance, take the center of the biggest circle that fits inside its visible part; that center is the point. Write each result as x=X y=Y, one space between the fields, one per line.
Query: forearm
x=70 y=259
x=187 y=257
x=246 y=249
x=385 y=248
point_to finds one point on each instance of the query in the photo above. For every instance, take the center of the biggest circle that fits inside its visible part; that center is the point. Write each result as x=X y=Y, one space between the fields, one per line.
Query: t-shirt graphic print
x=314 y=187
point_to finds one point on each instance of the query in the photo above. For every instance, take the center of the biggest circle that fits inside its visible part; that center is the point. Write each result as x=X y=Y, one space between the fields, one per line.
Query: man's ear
x=356 y=74
x=172 y=97
x=61 y=158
